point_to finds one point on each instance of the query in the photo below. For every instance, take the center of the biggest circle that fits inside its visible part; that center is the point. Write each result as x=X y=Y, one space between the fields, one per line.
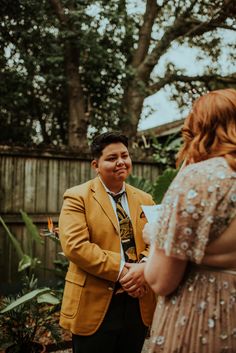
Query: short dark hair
x=101 y=141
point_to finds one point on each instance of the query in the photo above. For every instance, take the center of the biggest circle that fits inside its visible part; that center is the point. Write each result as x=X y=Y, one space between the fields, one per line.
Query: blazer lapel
x=100 y=195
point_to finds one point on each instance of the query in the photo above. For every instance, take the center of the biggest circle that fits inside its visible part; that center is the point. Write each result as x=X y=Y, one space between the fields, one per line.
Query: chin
x=122 y=177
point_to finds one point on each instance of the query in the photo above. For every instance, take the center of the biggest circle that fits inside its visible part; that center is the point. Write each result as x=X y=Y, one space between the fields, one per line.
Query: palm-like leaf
x=14 y=241
x=24 y=299
x=31 y=227
x=162 y=183
x=140 y=183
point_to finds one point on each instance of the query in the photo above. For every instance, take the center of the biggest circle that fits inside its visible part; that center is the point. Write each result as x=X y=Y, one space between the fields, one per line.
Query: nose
x=120 y=161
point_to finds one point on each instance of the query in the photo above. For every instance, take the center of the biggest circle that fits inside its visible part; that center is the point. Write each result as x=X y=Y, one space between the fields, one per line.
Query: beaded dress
x=200 y=316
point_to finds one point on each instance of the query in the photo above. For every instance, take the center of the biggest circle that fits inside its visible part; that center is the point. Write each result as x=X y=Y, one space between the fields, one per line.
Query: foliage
x=140 y=183
x=69 y=66
x=26 y=260
x=165 y=153
x=162 y=183
x=61 y=264
x=156 y=189
x=26 y=316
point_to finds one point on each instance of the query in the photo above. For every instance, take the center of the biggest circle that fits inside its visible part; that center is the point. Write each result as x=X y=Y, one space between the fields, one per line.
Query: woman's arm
x=163 y=273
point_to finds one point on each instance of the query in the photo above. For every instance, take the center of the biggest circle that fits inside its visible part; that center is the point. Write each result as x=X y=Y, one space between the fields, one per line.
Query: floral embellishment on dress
x=203 y=203
x=211 y=323
x=195 y=216
x=183 y=320
x=211 y=188
x=203 y=340
x=234 y=332
x=233 y=197
x=202 y=306
x=174 y=299
x=192 y=194
x=221 y=174
x=184 y=245
x=159 y=340
x=184 y=214
x=190 y=209
x=210 y=219
x=225 y=285
x=189 y=253
x=223 y=336
x=188 y=231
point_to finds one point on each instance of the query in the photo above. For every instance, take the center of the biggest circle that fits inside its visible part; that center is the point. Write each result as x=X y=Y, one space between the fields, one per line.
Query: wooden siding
x=35 y=183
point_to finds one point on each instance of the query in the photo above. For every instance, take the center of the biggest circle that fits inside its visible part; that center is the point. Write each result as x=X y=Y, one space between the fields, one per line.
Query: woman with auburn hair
x=192 y=262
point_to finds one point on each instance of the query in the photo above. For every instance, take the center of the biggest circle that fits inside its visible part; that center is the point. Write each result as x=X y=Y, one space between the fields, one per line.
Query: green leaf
x=31 y=227
x=13 y=239
x=24 y=263
x=48 y=298
x=140 y=183
x=24 y=299
x=162 y=183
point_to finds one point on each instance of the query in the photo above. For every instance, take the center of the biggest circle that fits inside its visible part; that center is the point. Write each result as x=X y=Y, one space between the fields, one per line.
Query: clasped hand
x=132 y=279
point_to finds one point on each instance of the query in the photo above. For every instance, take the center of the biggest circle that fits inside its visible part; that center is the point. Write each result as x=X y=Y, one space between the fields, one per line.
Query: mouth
x=121 y=170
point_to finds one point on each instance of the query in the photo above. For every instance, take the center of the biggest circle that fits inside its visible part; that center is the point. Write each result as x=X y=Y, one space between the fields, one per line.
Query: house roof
x=165 y=129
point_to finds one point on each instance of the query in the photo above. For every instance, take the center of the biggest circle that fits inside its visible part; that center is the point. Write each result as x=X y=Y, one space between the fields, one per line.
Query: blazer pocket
x=72 y=293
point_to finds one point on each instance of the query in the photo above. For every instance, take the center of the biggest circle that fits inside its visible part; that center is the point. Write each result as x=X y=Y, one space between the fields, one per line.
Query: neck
x=115 y=188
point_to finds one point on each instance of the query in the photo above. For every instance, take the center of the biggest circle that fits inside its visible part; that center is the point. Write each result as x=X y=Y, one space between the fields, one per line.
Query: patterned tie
x=126 y=230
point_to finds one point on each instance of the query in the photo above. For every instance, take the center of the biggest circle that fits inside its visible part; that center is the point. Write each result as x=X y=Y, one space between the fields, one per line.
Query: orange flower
x=50 y=224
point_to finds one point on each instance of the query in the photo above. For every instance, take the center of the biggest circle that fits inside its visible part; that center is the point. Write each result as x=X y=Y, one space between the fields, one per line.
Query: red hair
x=210 y=128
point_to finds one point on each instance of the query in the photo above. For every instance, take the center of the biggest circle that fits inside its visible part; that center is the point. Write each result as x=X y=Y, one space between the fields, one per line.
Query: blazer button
x=110 y=288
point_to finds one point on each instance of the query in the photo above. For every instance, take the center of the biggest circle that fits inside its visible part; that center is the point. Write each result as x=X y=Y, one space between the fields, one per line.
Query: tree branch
x=145 y=32
x=183 y=26
x=217 y=21
x=171 y=78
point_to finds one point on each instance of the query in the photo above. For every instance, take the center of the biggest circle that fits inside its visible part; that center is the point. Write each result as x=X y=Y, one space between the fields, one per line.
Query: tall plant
x=27 y=262
x=27 y=314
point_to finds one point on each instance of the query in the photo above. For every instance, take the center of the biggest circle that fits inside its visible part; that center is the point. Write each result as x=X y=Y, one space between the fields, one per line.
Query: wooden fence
x=35 y=182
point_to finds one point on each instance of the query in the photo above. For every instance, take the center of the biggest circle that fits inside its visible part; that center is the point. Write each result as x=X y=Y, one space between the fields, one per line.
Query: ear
x=94 y=165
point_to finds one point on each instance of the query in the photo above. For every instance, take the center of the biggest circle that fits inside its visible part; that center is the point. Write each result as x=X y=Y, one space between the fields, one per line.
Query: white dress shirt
x=124 y=203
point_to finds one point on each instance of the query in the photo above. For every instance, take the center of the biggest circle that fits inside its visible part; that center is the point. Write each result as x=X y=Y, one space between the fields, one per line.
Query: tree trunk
x=131 y=110
x=77 y=119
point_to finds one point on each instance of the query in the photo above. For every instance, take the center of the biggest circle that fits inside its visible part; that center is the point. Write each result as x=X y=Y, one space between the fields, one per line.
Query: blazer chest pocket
x=72 y=293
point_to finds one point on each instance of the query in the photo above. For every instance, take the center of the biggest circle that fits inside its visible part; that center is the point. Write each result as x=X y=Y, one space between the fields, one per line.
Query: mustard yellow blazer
x=89 y=234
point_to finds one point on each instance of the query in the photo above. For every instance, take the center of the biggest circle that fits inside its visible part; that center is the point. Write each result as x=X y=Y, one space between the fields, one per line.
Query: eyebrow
x=116 y=154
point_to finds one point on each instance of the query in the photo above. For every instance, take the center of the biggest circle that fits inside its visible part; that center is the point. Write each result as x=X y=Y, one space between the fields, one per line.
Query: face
x=114 y=166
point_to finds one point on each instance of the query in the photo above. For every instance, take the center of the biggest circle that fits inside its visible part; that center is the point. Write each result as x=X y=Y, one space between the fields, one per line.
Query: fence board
x=18 y=186
x=52 y=186
x=30 y=185
x=41 y=187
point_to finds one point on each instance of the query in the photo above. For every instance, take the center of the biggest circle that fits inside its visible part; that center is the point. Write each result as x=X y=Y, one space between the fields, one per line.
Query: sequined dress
x=200 y=316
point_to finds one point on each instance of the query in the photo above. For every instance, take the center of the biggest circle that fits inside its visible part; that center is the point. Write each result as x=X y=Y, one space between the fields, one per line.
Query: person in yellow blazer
x=107 y=305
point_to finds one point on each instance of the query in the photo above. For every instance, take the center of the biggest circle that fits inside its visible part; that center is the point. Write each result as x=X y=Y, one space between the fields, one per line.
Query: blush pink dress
x=200 y=316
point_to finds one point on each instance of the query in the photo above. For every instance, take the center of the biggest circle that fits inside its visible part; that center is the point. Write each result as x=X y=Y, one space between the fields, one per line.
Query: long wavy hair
x=210 y=129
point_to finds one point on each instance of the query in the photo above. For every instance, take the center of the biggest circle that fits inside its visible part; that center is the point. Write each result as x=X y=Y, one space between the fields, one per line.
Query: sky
x=166 y=110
